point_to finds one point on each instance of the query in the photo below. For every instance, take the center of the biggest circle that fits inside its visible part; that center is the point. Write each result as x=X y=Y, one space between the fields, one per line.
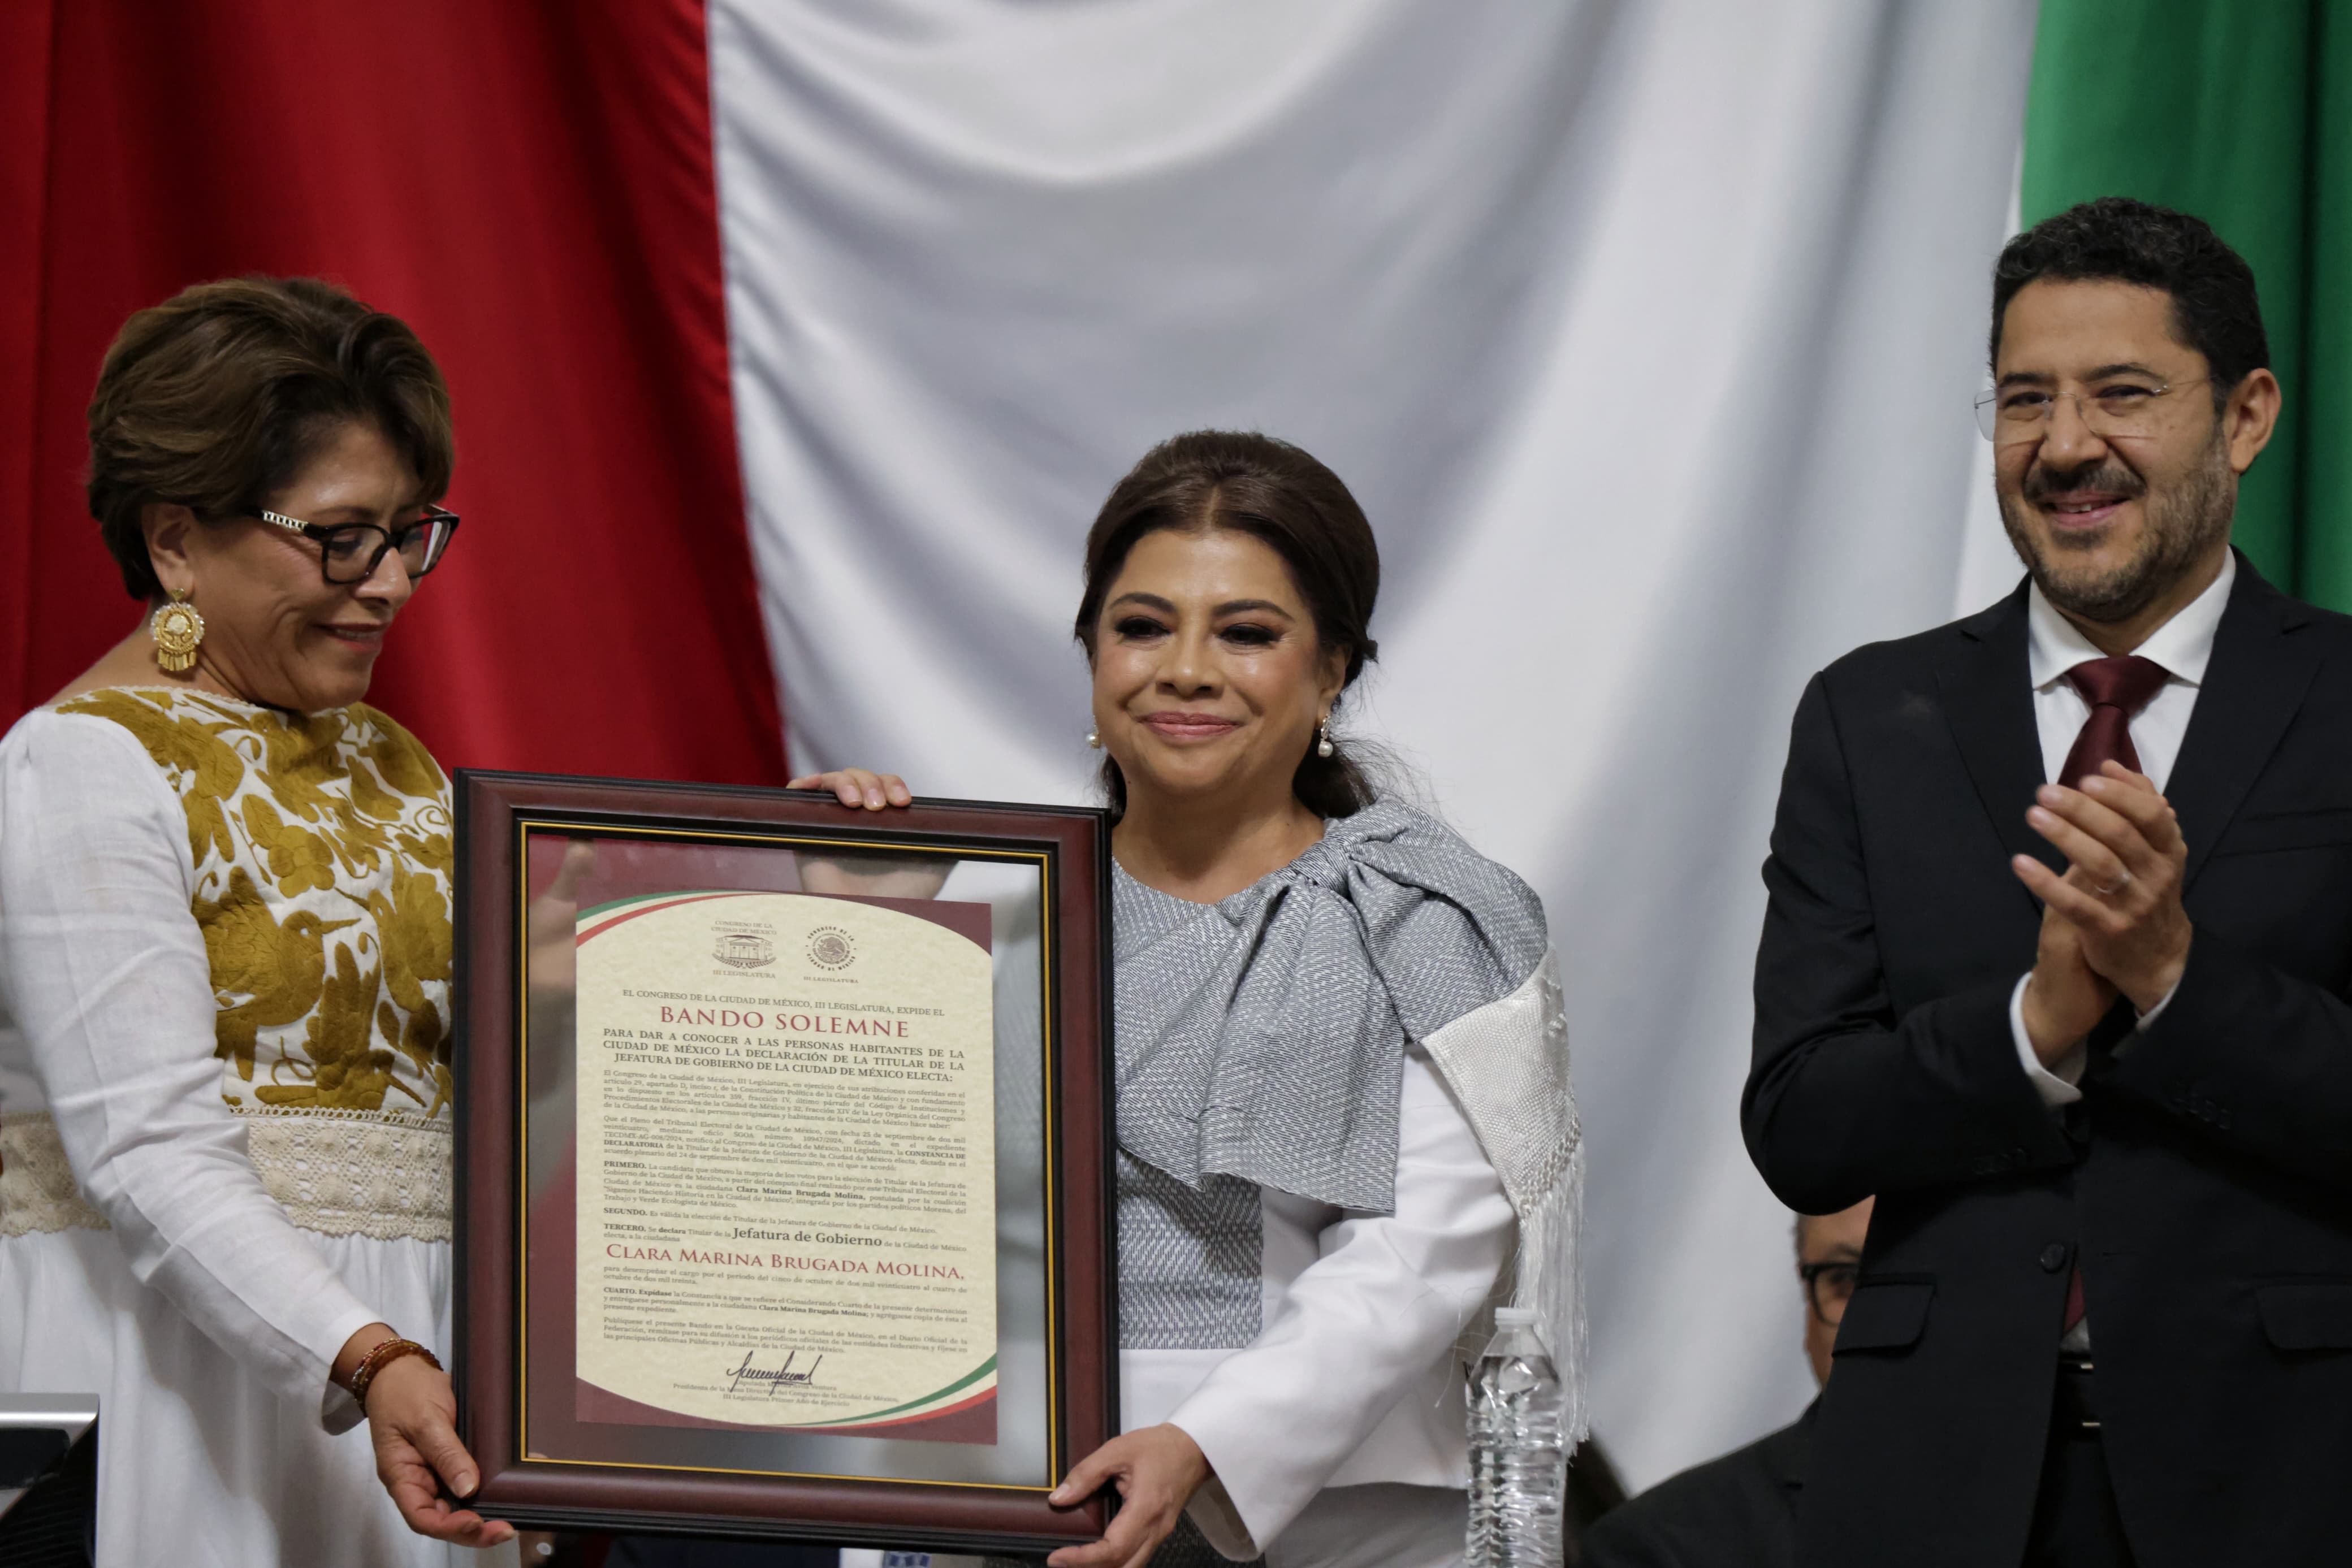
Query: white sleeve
x=110 y=980
x=2056 y=1088
x=1387 y=1297
x=2147 y=1019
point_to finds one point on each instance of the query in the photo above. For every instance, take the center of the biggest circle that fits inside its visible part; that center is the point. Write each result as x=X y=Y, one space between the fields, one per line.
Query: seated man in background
x=1741 y=1510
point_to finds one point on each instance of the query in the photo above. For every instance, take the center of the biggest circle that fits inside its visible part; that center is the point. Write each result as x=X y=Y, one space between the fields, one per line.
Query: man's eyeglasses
x=2127 y=406
x=1828 y=1288
x=350 y=552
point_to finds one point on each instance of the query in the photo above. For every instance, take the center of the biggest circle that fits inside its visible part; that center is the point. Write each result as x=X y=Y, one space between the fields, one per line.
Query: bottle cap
x=1515 y=1317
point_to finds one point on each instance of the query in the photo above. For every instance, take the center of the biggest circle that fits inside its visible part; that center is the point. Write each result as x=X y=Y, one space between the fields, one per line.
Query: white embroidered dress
x=225 y=1119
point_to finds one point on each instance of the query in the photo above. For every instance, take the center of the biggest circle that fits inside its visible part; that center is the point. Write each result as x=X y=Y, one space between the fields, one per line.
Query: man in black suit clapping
x=2055 y=962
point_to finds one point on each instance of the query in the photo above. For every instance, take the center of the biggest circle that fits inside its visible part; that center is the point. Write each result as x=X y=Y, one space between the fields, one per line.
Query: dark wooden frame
x=1082 y=1337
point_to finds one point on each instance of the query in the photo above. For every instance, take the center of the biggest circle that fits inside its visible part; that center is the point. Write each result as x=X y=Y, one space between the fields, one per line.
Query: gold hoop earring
x=178 y=631
x=1323 y=746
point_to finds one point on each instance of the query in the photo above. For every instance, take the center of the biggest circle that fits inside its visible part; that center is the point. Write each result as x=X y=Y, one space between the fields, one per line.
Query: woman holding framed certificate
x=1345 y=1129
x=226 y=1067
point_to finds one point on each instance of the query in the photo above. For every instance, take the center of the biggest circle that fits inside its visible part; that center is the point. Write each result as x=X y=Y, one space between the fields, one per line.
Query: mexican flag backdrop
x=794 y=343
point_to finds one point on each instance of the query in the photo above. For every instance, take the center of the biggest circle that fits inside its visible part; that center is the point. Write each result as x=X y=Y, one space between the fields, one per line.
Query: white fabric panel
x=1646 y=333
x=1989 y=564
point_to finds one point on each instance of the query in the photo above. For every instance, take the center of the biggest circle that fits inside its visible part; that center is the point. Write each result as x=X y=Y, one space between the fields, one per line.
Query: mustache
x=2106 y=473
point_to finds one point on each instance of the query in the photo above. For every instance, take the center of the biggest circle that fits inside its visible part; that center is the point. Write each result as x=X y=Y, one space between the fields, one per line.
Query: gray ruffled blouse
x=1261 y=1042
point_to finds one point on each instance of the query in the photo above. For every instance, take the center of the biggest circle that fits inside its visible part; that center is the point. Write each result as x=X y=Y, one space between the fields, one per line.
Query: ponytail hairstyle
x=1206 y=480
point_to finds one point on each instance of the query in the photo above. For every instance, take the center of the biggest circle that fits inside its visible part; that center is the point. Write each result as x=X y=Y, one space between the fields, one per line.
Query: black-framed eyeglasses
x=1828 y=1288
x=350 y=552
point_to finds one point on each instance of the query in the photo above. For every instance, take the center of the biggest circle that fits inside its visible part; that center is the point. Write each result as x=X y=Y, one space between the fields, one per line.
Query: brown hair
x=1269 y=489
x=217 y=399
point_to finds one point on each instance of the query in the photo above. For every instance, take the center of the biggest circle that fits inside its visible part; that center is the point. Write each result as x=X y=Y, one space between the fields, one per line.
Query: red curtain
x=529 y=184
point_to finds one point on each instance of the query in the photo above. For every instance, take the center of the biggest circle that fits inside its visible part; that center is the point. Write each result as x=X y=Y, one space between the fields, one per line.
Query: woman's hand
x=1157 y=1470
x=554 y=916
x=412 y=1418
x=859 y=872
x=856 y=787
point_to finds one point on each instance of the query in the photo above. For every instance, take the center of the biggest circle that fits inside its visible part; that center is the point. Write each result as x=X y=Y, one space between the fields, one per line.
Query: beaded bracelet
x=381 y=1356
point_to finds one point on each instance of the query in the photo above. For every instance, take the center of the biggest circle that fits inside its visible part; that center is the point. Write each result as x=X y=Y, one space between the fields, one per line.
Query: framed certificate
x=784 y=1134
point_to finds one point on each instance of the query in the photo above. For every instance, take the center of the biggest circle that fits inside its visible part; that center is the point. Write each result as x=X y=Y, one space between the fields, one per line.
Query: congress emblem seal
x=744 y=950
x=830 y=947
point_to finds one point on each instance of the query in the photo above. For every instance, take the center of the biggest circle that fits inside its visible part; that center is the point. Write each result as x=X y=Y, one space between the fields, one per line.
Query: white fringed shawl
x=1508 y=1063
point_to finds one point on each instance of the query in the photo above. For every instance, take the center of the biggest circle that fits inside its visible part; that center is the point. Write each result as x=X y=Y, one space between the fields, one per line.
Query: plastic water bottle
x=1518 y=1460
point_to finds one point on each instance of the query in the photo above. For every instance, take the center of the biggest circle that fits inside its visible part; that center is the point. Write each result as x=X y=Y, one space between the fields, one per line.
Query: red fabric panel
x=25 y=34
x=530 y=184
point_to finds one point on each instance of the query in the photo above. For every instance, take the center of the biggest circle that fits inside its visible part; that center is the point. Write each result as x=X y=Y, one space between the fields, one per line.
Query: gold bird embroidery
x=342 y=1072
x=401 y=760
x=428 y=850
x=306 y=827
x=279 y=968
x=303 y=762
x=310 y=775
x=373 y=800
x=412 y=922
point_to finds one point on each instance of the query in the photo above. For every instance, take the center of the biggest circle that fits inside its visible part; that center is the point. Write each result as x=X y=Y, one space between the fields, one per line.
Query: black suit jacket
x=2205 y=1178
x=1738 y=1512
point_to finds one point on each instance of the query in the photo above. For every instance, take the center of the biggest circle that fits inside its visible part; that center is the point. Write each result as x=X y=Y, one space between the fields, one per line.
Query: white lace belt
x=37 y=1186
x=336 y=1174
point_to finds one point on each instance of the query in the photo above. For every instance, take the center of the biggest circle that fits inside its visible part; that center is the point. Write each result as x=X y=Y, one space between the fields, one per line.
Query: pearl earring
x=1323 y=746
x=1094 y=736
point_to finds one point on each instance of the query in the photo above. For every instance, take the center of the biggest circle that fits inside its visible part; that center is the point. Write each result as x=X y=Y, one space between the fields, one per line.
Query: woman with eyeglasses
x=225 y=957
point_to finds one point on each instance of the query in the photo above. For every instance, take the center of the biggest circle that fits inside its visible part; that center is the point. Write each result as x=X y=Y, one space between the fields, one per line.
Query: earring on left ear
x=1094 y=736
x=177 y=630
x=1323 y=746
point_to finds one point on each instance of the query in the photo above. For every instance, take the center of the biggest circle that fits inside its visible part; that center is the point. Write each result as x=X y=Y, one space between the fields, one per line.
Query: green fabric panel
x=2326 y=561
x=2209 y=106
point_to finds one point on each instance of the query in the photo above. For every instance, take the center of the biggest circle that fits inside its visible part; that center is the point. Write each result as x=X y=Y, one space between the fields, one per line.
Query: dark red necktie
x=2115 y=688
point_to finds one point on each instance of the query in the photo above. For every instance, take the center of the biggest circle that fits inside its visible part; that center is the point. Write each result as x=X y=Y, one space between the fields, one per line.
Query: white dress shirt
x=2053 y=645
